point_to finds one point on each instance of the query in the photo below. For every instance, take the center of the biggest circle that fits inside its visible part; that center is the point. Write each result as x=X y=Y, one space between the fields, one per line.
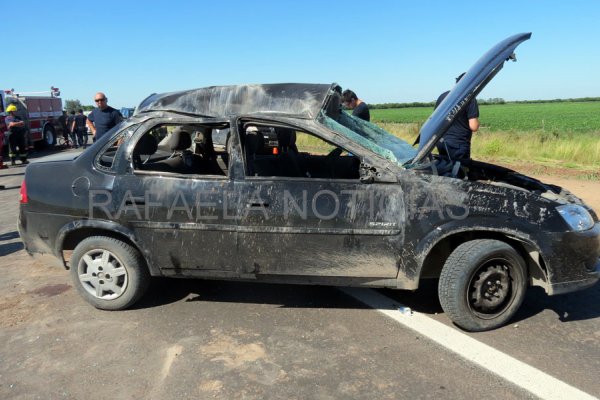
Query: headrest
x=255 y=141
x=147 y=145
x=204 y=142
x=201 y=137
x=179 y=140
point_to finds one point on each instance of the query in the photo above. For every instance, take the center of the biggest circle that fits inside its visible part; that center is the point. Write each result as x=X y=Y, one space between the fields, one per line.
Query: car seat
x=205 y=157
x=290 y=162
x=182 y=159
x=146 y=146
x=254 y=142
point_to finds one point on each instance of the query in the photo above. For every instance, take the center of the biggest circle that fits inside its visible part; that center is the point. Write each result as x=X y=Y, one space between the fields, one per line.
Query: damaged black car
x=276 y=183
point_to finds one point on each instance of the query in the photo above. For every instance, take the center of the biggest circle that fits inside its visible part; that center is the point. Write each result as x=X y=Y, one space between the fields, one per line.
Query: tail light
x=23 y=193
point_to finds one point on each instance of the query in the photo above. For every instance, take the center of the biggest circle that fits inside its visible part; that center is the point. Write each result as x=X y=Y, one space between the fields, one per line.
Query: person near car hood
x=102 y=118
x=456 y=143
x=359 y=108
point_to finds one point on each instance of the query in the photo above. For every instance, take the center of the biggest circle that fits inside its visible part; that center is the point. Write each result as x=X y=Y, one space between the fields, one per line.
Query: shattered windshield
x=371 y=137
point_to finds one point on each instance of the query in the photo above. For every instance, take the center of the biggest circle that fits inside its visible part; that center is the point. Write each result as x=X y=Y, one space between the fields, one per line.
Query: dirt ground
x=589 y=191
x=583 y=183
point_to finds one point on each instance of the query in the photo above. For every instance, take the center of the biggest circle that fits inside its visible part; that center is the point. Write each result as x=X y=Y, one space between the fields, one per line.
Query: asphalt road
x=216 y=339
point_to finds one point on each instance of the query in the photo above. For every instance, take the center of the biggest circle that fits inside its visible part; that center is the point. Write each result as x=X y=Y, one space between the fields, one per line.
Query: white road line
x=529 y=378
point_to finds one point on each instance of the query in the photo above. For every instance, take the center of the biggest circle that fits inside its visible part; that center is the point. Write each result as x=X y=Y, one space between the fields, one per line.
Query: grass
x=564 y=135
x=313 y=145
x=560 y=117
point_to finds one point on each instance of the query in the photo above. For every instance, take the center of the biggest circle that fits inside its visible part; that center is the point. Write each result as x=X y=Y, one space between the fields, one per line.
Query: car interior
x=282 y=151
x=183 y=149
x=269 y=150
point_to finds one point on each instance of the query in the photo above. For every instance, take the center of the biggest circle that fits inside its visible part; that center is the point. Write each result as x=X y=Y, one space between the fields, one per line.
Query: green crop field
x=562 y=134
x=561 y=118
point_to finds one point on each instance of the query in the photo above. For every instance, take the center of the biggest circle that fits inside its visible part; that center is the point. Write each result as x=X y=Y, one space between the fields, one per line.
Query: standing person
x=80 y=129
x=16 y=136
x=102 y=118
x=27 y=137
x=70 y=120
x=64 y=126
x=2 y=165
x=456 y=143
x=359 y=107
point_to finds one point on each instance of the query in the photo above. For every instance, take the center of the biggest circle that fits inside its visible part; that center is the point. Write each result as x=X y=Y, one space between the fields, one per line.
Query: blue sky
x=386 y=51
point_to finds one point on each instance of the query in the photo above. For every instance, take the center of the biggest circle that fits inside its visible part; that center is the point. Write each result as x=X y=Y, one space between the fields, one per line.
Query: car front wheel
x=108 y=273
x=482 y=284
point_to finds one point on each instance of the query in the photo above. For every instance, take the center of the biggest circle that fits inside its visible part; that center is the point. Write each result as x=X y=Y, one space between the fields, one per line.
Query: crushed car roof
x=290 y=99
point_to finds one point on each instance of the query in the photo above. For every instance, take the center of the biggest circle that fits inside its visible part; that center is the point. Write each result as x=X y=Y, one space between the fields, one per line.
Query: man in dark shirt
x=456 y=142
x=102 y=118
x=80 y=129
x=70 y=120
x=62 y=122
x=359 y=107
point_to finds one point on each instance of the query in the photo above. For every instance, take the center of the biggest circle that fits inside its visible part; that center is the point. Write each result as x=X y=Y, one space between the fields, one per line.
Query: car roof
x=296 y=100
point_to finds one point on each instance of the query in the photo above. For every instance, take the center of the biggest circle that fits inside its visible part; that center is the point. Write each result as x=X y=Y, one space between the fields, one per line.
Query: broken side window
x=105 y=161
x=182 y=149
x=280 y=151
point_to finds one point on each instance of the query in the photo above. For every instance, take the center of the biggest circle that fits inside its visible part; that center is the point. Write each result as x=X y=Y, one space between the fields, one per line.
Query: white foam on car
x=523 y=375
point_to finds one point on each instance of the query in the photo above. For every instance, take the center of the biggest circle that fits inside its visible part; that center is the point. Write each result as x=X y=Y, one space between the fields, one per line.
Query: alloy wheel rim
x=102 y=274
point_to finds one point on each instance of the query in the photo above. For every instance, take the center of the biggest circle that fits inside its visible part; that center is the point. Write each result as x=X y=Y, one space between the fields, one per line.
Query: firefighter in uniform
x=16 y=136
x=2 y=165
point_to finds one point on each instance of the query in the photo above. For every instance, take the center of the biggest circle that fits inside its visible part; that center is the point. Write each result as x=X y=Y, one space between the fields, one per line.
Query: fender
x=429 y=241
x=104 y=225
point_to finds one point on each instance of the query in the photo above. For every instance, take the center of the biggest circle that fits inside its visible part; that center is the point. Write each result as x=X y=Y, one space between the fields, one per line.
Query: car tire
x=482 y=284
x=49 y=136
x=108 y=273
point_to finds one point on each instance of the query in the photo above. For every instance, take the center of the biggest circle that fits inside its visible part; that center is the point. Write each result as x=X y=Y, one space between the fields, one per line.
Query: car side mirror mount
x=367 y=173
x=367 y=179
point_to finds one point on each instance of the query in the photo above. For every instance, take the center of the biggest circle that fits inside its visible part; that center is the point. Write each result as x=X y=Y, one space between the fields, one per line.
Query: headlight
x=576 y=217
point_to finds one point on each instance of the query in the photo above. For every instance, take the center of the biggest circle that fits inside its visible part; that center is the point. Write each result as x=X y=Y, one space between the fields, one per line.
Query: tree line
x=75 y=105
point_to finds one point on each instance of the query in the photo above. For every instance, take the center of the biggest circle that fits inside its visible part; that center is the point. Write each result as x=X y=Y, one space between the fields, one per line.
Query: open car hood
x=465 y=90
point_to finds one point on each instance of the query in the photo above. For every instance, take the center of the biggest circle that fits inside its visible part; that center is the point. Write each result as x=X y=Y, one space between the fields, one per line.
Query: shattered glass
x=371 y=137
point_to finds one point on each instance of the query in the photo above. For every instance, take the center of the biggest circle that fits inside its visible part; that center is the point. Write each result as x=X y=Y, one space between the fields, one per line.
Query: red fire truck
x=39 y=111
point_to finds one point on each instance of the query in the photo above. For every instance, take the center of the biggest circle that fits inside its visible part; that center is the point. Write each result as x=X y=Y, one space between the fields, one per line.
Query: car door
x=185 y=223
x=317 y=226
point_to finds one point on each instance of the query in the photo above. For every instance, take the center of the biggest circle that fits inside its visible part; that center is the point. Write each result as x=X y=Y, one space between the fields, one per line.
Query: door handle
x=258 y=205
x=138 y=201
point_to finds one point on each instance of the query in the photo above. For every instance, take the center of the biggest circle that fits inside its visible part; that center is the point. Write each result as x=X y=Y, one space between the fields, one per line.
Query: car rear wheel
x=108 y=273
x=482 y=284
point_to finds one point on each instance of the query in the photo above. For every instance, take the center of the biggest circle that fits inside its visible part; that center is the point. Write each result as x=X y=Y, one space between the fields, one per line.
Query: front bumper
x=572 y=260
x=573 y=286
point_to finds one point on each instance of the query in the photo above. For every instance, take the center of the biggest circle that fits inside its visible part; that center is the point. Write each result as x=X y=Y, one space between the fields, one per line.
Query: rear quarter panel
x=58 y=193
